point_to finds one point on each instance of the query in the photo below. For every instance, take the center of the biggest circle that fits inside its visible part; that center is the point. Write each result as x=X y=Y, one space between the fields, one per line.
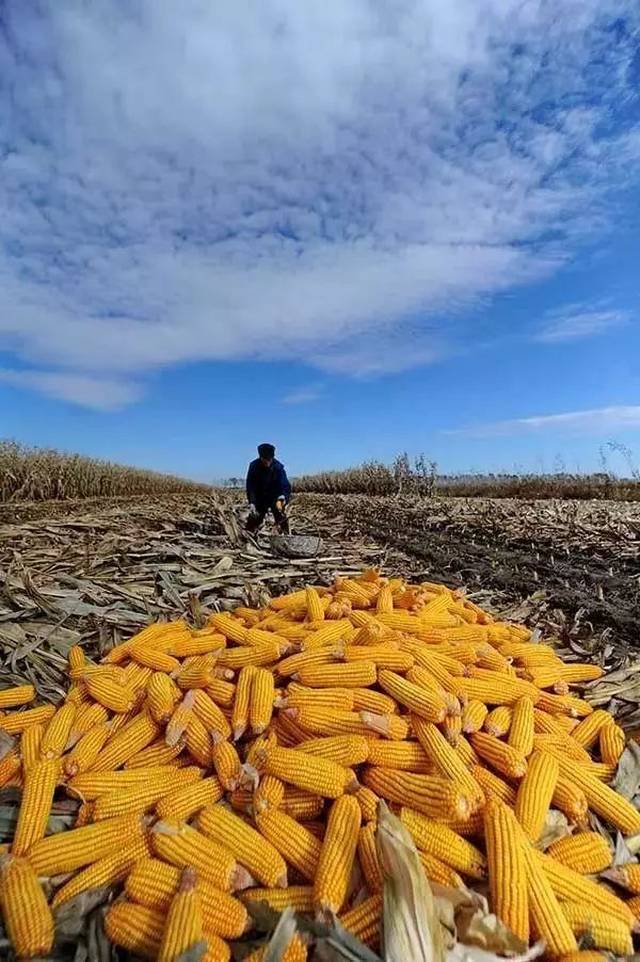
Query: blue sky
x=349 y=228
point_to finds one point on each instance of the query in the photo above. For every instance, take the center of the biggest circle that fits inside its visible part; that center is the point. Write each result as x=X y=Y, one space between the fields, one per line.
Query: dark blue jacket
x=265 y=485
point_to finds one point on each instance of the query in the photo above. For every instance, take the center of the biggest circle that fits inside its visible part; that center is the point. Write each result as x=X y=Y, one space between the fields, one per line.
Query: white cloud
x=270 y=179
x=303 y=396
x=98 y=392
x=616 y=418
x=577 y=321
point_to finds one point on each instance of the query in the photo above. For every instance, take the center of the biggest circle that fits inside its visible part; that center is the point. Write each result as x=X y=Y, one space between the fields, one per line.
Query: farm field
x=96 y=571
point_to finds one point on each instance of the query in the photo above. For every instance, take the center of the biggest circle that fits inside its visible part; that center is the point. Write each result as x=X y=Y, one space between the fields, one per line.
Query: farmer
x=267 y=488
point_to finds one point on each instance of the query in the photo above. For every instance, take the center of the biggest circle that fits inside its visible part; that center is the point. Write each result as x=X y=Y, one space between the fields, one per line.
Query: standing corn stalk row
x=245 y=762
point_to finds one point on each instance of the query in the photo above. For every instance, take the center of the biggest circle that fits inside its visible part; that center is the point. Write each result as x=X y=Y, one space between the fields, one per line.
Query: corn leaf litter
x=282 y=935
x=555 y=827
x=412 y=930
x=627 y=777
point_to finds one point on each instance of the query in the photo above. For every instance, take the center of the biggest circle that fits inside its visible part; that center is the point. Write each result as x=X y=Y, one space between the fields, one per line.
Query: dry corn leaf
x=472 y=953
x=282 y=935
x=555 y=827
x=411 y=928
x=624 y=852
x=627 y=778
x=195 y=953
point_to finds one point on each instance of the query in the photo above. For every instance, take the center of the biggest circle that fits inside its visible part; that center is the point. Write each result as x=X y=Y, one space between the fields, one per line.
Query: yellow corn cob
x=87 y=717
x=421 y=701
x=504 y=758
x=162 y=697
x=93 y=784
x=383 y=656
x=603 y=931
x=347 y=750
x=156 y=754
x=498 y=721
x=105 y=871
x=135 y=736
x=300 y=804
x=535 y=793
x=210 y=714
x=325 y=721
x=561 y=746
x=263 y=654
x=230 y=627
x=67 y=851
x=221 y=692
x=405 y=756
x=39 y=785
x=299 y=897
x=521 y=730
x=10 y=767
x=135 y=928
x=181 y=845
x=137 y=677
x=388 y=726
x=183 y=925
x=368 y=802
x=292 y=840
x=226 y=762
x=320 y=776
x=545 y=914
x=292 y=664
x=364 y=920
x=152 y=657
x=506 y=868
x=563 y=705
x=16 y=723
x=19 y=695
x=248 y=846
x=365 y=699
x=191 y=644
x=140 y=798
x=337 y=699
x=612 y=740
x=179 y=721
x=197 y=672
x=570 y=886
x=384 y=601
x=185 y=801
x=315 y=607
x=445 y=759
x=571 y=800
x=261 y=700
x=442 y=842
x=30 y=745
x=199 y=742
x=493 y=785
x=86 y=751
x=603 y=800
x=437 y=871
x=102 y=686
x=337 y=854
x=587 y=852
x=501 y=690
x=154 y=883
x=27 y=917
x=357 y=674
x=242 y=701
x=634 y=906
x=57 y=732
x=627 y=876
x=587 y=731
x=474 y=715
x=268 y=794
x=436 y=797
x=330 y=633
x=368 y=858
x=466 y=752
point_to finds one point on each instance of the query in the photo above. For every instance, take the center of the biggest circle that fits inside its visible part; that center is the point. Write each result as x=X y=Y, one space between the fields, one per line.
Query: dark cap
x=266 y=451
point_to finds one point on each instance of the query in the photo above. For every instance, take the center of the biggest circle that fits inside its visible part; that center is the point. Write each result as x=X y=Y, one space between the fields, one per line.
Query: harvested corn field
x=304 y=707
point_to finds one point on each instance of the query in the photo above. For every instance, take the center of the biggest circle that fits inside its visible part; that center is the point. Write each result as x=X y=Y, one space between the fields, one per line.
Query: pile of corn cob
x=245 y=761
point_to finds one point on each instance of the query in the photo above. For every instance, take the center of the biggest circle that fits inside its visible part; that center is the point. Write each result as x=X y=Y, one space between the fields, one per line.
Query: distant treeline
x=37 y=474
x=421 y=478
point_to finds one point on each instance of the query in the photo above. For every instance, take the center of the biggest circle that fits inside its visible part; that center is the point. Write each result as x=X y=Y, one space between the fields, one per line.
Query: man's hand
x=281 y=503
